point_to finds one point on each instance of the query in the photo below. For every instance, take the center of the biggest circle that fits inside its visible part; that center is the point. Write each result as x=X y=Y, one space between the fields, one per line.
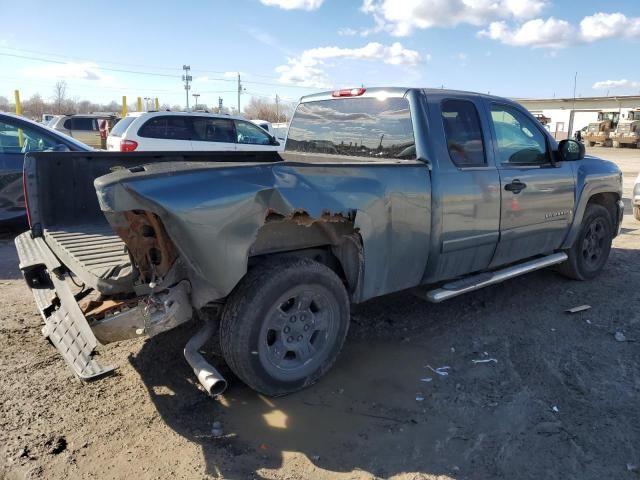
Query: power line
x=141 y=72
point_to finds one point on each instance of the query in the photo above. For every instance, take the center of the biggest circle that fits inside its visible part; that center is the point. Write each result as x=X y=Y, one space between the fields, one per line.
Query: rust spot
x=148 y=243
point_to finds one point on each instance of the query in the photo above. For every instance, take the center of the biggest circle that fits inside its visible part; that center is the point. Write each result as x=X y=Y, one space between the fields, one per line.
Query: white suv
x=188 y=131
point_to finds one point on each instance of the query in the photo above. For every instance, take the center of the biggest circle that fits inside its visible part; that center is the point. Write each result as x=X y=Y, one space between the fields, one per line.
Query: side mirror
x=570 y=150
x=275 y=142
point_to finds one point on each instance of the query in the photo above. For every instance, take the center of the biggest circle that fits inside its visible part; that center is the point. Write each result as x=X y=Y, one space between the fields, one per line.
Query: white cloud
x=308 y=68
x=402 y=17
x=538 y=33
x=615 y=84
x=347 y=32
x=294 y=4
x=67 y=71
x=609 y=25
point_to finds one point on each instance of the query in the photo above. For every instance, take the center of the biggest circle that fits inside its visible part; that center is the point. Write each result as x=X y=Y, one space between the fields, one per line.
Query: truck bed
x=94 y=253
x=65 y=211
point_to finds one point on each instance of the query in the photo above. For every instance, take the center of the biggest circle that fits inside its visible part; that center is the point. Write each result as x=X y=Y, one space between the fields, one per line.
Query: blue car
x=19 y=136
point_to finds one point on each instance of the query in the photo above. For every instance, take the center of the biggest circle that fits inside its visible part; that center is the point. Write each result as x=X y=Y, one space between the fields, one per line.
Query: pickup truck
x=378 y=190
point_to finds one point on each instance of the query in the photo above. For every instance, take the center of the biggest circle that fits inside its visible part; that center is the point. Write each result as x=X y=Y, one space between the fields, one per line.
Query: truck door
x=537 y=194
x=467 y=184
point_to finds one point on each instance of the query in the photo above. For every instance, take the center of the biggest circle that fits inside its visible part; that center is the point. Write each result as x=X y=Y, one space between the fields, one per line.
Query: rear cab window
x=354 y=127
x=121 y=126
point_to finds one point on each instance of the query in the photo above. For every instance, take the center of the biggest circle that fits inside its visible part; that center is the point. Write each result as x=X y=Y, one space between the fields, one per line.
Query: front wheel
x=590 y=251
x=284 y=324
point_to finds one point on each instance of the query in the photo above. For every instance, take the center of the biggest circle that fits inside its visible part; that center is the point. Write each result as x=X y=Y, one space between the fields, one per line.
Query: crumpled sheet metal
x=214 y=211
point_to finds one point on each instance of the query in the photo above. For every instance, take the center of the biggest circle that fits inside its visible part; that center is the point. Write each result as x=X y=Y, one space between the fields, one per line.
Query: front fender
x=593 y=176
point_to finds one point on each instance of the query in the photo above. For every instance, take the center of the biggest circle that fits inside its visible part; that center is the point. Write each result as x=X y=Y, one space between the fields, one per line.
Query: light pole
x=186 y=78
x=195 y=95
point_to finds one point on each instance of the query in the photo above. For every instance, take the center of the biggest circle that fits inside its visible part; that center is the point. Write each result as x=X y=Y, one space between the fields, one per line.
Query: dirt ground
x=561 y=399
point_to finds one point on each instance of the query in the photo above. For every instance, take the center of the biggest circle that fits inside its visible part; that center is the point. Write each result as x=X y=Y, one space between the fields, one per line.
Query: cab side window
x=248 y=133
x=463 y=133
x=22 y=140
x=519 y=141
x=213 y=130
x=172 y=128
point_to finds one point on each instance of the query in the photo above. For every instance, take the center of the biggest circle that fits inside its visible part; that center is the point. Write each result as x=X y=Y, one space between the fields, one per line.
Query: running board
x=476 y=282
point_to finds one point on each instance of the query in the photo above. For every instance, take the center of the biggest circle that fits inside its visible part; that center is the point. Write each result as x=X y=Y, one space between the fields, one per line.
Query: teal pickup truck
x=378 y=190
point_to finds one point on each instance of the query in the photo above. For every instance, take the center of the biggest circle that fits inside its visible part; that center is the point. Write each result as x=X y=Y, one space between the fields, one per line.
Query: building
x=563 y=116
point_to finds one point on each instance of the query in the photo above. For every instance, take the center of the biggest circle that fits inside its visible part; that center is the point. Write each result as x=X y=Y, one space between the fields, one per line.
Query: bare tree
x=269 y=110
x=59 y=96
x=34 y=107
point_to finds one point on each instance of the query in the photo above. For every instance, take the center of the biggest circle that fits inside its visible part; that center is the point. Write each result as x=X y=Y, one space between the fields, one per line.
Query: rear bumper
x=625 y=139
x=73 y=334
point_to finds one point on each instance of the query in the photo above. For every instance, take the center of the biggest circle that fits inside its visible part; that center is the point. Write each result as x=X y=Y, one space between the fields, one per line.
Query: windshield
x=362 y=127
x=120 y=127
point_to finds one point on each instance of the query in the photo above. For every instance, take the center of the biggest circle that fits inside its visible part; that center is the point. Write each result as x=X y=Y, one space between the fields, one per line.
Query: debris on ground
x=555 y=409
x=426 y=379
x=419 y=397
x=216 y=429
x=485 y=360
x=56 y=444
x=632 y=467
x=581 y=308
x=442 y=371
x=620 y=337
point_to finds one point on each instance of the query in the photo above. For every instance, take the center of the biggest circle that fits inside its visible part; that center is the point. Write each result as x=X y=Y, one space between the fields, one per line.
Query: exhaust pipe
x=207 y=375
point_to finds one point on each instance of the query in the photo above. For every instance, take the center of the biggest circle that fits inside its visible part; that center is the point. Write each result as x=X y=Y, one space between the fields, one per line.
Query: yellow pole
x=139 y=104
x=18 y=104
x=19 y=112
x=123 y=113
x=157 y=104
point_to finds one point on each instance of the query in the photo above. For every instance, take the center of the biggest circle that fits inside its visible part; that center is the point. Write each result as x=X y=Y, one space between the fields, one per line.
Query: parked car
x=18 y=136
x=271 y=130
x=636 y=198
x=85 y=128
x=378 y=190
x=188 y=131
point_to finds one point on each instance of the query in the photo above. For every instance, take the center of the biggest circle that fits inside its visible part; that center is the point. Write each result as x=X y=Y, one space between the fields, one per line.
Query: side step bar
x=476 y=282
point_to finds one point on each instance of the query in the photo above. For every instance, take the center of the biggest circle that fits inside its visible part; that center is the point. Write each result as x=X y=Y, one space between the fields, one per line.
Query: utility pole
x=239 y=92
x=186 y=78
x=219 y=104
x=277 y=108
x=196 y=95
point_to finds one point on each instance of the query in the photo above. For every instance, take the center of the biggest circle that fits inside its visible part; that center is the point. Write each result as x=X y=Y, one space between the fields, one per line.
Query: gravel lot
x=559 y=401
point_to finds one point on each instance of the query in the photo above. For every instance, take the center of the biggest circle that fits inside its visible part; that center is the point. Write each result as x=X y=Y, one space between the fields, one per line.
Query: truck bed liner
x=94 y=253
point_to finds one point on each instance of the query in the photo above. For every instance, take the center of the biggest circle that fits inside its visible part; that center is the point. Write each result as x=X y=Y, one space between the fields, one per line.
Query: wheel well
x=607 y=200
x=331 y=240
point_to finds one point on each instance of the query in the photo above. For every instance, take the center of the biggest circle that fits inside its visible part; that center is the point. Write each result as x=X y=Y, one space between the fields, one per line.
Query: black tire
x=296 y=295
x=636 y=212
x=591 y=248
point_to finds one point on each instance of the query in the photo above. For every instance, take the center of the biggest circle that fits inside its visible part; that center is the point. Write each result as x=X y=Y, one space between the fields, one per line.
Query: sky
x=514 y=48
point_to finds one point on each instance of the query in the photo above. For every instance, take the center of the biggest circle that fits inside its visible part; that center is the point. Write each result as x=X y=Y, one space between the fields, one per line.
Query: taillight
x=349 y=92
x=128 y=145
x=26 y=198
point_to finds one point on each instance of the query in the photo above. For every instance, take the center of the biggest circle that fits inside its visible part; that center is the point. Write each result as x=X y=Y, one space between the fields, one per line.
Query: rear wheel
x=590 y=251
x=616 y=144
x=284 y=325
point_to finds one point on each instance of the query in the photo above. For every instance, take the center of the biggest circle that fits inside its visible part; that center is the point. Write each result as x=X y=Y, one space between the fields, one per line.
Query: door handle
x=516 y=186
